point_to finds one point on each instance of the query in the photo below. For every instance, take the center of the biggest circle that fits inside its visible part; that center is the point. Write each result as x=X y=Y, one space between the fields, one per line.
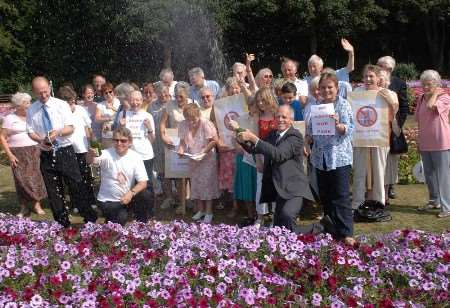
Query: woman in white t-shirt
x=80 y=139
x=142 y=128
x=23 y=154
x=105 y=113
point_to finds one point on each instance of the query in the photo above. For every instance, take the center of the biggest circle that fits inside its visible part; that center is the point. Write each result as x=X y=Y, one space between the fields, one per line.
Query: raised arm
x=351 y=54
x=251 y=78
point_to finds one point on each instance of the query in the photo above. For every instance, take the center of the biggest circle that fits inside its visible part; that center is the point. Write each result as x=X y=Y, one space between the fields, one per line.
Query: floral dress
x=203 y=173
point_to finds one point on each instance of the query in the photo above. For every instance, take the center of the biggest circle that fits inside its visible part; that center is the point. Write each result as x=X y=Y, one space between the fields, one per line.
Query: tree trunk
x=435 y=33
x=167 y=61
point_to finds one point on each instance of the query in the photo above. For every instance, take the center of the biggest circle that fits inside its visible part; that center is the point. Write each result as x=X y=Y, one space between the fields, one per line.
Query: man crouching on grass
x=123 y=180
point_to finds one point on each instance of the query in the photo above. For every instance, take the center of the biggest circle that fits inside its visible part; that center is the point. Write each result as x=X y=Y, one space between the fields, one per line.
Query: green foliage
x=410 y=159
x=406 y=71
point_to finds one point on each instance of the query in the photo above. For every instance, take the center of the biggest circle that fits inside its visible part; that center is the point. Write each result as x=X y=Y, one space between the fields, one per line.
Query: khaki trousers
x=364 y=158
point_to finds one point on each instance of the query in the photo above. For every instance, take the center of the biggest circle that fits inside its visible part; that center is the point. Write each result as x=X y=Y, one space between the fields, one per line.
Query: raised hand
x=347 y=46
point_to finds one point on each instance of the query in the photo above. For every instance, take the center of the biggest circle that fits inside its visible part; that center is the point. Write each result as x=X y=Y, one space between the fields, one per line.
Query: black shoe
x=391 y=192
x=247 y=221
x=328 y=224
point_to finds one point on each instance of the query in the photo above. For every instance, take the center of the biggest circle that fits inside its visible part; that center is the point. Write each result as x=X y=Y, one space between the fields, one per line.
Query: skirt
x=226 y=170
x=27 y=175
x=244 y=180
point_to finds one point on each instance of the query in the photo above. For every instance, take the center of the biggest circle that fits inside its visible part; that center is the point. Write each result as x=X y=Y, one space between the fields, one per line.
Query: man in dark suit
x=284 y=180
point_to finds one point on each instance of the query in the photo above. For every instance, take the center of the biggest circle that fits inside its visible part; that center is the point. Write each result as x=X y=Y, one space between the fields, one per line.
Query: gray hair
x=165 y=71
x=230 y=82
x=261 y=72
x=238 y=64
x=291 y=111
x=196 y=71
x=314 y=83
x=206 y=89
x=159 y=87
x=315 y=59
x=19 y=98
x=431 y=75
x=182 y=85
x=123 y=90
x=387 y=61
x=136 y=92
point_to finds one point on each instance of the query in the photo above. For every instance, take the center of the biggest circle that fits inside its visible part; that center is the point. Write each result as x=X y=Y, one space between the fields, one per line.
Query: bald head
x=41 y=88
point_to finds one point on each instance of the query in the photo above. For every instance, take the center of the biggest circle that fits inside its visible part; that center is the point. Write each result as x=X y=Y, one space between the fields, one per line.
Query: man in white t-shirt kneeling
x=123 y=180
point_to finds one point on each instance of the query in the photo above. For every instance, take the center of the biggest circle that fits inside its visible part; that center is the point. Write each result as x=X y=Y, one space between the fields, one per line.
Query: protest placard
x=371 y=118
x=321 y=121
x=232 y=108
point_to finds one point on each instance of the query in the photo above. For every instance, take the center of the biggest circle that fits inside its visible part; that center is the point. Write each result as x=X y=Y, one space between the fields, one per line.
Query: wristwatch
x=133 y=192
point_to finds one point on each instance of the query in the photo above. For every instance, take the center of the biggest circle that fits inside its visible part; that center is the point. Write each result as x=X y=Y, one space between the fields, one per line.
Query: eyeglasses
x=120 y=140
x=268 y=76
x=108 y=92
x=206 y=96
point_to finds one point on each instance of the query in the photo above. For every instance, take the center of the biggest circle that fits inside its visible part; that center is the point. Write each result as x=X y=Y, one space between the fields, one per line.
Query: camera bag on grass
x=372 y=211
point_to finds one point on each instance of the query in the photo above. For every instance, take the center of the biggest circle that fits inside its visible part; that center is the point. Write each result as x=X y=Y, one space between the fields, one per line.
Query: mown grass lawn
x=403 y=210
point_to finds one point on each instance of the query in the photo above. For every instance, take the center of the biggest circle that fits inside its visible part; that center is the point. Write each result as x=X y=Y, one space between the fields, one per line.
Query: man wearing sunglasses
x=123 y=180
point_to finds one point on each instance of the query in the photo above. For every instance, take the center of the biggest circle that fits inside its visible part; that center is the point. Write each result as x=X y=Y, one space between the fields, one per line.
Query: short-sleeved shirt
x=135 y=122
x=96 y=127
x=59 y=113
x=434 y=127
x=342 y=74
x=17 y=131
x=81 y=121
x=105 y=111
x=119 y=173
x=194 y=92
x=302 y=87
x=196 y=143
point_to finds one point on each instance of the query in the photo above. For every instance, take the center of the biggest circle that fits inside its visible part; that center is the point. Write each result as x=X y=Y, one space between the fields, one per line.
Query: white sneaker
x=258 y=223
x=167 y=203
x=208 y=218
x=198 y=215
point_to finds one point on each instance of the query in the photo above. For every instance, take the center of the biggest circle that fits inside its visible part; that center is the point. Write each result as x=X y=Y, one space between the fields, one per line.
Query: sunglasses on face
x=206 y=96
x=268 y=76
x=120 y=140
x=107 y=92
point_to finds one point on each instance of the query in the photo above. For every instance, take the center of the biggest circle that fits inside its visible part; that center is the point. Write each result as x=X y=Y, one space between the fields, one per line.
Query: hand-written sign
x=371 y=118
x=321 y=120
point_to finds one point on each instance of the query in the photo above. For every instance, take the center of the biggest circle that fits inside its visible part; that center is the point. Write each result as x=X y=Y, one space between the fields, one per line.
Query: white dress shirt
x=60 y=116
x=79 y=139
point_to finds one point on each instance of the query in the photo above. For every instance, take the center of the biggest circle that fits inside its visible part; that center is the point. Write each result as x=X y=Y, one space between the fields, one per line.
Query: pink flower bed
x=196 y=265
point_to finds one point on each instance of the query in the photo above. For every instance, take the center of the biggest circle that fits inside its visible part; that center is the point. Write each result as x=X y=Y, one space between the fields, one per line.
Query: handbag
x=398 y=144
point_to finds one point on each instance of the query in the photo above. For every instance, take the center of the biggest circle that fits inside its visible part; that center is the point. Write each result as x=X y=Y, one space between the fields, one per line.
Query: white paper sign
x=321 y=121
x=175 y=166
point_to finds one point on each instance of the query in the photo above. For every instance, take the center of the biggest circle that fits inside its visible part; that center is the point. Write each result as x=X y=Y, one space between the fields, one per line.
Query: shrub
x=410 y=159
x=406 y=71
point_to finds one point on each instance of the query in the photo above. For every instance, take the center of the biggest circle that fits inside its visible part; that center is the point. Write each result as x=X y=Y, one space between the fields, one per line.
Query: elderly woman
x=105 y=114
x=123 y=91
x=199 y=137
x=91 y=107
x=149 y=96
x=372 y=157
x=332 y=157
x=23 y=154
x=313 y=99
x=157 y=110
x=432 y=115
x=207 y=102
x=171 y=117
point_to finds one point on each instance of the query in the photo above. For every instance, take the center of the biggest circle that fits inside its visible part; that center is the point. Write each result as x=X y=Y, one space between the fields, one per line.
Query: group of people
x=55 y=142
